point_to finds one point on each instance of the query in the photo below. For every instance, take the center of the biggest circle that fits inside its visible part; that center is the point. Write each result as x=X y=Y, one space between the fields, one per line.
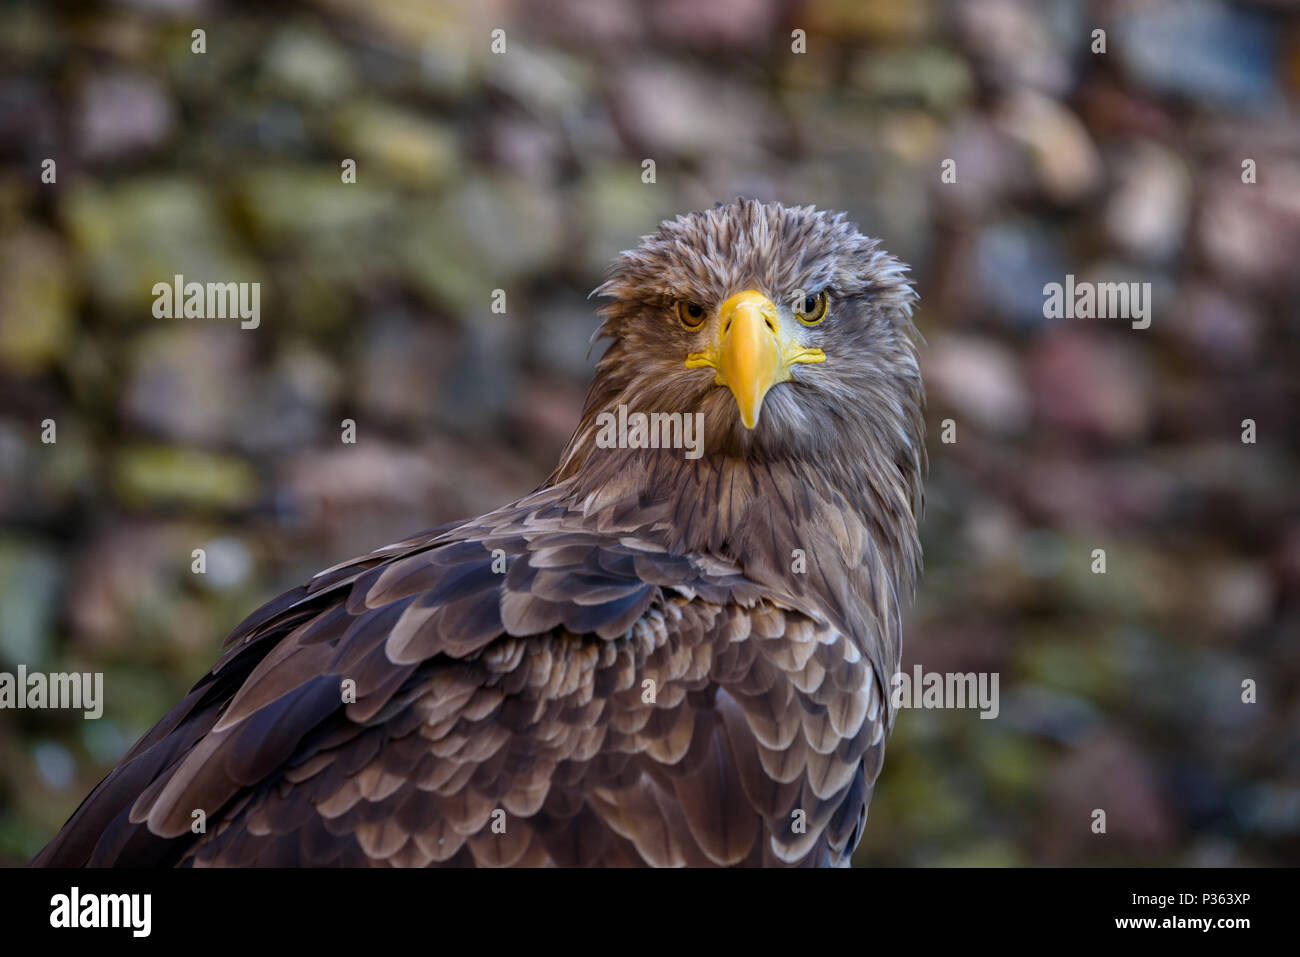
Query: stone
x=36 y=302
x=121 y=114
x=1149 y=209
x=977 y=380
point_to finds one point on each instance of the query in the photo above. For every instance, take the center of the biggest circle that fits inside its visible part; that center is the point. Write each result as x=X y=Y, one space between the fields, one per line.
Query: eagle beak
x=748 y=354
x=749 y=351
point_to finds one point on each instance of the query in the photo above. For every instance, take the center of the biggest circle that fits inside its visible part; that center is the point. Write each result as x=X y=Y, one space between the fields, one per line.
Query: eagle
x=674 y=652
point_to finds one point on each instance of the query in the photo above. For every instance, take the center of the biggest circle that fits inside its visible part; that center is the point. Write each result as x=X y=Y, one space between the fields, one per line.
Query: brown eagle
x=674 y=652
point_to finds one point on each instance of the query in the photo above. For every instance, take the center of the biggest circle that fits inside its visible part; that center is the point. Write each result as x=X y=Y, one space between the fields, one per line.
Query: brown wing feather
x=603 y=701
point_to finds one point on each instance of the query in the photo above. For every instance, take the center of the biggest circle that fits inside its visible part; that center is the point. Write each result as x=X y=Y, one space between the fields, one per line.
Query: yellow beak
x=748 y=353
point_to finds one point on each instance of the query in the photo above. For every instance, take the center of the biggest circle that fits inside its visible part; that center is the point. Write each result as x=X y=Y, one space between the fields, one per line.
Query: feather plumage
x=645 y=681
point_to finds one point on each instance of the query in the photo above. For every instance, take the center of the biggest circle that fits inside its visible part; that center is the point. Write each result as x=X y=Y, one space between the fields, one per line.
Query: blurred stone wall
x=522 y=171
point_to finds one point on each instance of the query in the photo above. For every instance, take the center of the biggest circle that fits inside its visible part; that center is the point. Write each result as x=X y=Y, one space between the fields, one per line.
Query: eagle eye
x=690 y=314
x=812 y=309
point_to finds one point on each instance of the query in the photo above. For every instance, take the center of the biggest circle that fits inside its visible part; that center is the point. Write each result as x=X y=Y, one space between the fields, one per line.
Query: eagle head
x=787 y=328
